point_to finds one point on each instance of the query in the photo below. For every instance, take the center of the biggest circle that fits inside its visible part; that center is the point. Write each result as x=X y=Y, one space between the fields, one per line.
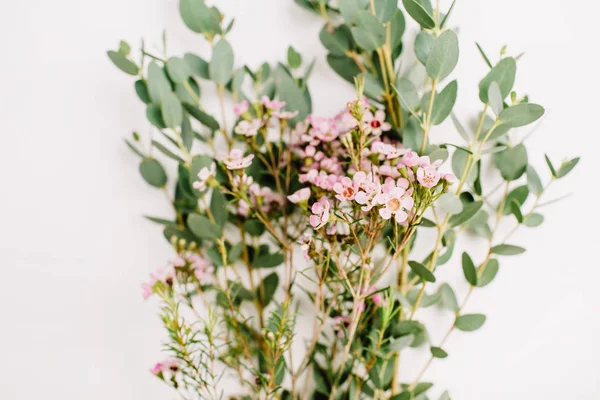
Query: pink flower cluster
x=386 y=177
x=201 y=266
x=170 y=366
x=262 y=198
x=264 y=111
x=236 y=159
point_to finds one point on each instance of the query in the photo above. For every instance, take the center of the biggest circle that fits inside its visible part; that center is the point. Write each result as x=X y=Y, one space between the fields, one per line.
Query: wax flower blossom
x=165 y=276
x=236 y=160
x=240 y=108
x=320 y=211
x=284 y=115
x=300 y=196
x=341 y=323
x=248 y=128
x=272 y=105
x=375 y=123
x=204 y=176
x=345 y=188
x=396 y=200
x=427 y=173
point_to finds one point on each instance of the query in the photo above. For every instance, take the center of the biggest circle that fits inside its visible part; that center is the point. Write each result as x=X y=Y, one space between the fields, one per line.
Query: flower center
x=375 y=124
x=348 y=192
x=393 y=204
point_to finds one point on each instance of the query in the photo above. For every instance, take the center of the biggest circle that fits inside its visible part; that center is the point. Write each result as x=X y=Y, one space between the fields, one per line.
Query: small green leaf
x=512 y=163
x=459 y=161
x=166 y=151
x=187 y=133
x=153 y=172
x=438 y=352
x=448 y=298
x=368 y=31
x=485 y=57
x=450 y=203
x=202 y=117
x=515 y=208
x=200 y=18
x=338 y=42
x=142 y=91
x=534 y=220
x=397 y=344
x=268 y=261
x=221 y=66
x=385 y=9
x=443 y=56
x=566 y=167
x=521 y=114
x=421 y=271
x=203 y=228
x=154 y=115
x=423 y=43
x=134 y=149
x=495 y=98
x=489 y=273
x=469 y=269
x=196 y=65
x=124 y=64
x=518 y=195
x=469 y=322
x=267 y=288
x=172 y=111
x=550 y=166
x=503 y=74
x=468 y=212
x=444 y=102
x=158 y=84
x=218 y=207
x=507 y=250
x=419 y=11
x=294 y=58
x=178 y=69
x=349 y=8
x=533 y=181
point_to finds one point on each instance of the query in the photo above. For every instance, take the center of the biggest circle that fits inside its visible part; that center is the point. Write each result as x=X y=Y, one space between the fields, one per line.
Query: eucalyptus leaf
x=349 y=8
x=178 y=70
x=423 y=43
x=489 y=273
x=469 y=322
x=294 y=58
x=123 y=63
x=469 y=269
x=566 y=167
x=202 y=117
x=172 y=111
x=218 y=207
x=203 y=228
x=521 y=114
x=421 y=271
x=495 y=98
x=407 y=94
x=220 y=67
x=196 y=65
x=443 y=56
x=267 y=288
x=438 y=352
x=534 y=220
x=268 y=261
x=448 y=298
x=443 y=103
x=450 y=203
x=512 y=163
x=158 y=84
x=153 y=172
x=507 y=250
x=468 y=212
x=385 y=9
x=338 y=42
x=503 y=74
x=141 y=89
x=420 y=12
x=368 y=32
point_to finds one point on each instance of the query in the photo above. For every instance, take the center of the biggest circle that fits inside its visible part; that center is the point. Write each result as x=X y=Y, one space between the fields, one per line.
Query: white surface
x=74 y=248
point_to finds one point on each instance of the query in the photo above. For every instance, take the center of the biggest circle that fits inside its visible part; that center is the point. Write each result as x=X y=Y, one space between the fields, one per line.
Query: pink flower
x=157 y=369
x=204 y=176
x=377 y=299
x=300 y=196
x=243 y=181
x=375 y=124
x=240 y=108
x=450 y=178
x=320 y=212
x=273 y=105
x=341 y=323
x=387 y=150
x=202 y=269
x=411 y=159
x=305 y=242
x=248 y=128
x=369 y=187
x=285 y=114
x=428 y=176
x=236 y=160
x=170 y=365
x=146 y=290
x=178 y=261
x=396 y=201
x=345 y=188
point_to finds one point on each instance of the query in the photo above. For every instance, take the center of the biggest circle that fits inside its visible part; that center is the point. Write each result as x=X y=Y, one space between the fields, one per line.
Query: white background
x=74 y=248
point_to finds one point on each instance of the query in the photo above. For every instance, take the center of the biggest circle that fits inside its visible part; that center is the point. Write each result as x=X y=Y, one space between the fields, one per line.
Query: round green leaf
x=178 y=69
x=142 y=91
x=203 y=228
x=172 y=111
x=450 y=203
x=468 y=212
x=158 y=84
x=200 y=18
x=443 y=56
x=448 y=298
x=338 y=42
x=419 y=11
x=503 y=74
x=385 y=9
x=221 y=65
x=443 y=103
x=196 y=65
x=512 y=163
x=421 y=271
x=489 y=273
x=368 y=31
x=507 y=250
x=534 y=220
x=153 y=172
x=423 y=43
x=469 y=322
x=534 y=181
x=349 y=8
x=438 y=352
x=124 y=64
x=521 y=114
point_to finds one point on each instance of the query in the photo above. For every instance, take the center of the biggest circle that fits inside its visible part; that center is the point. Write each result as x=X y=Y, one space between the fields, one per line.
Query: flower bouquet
x=296 y=270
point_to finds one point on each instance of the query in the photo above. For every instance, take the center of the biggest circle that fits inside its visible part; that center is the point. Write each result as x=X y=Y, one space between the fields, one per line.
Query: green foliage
x=443 y=56
x=443 y=103
x=421 y=12
x=220 y=67
x=469 y=269
x=469 y=322
x=153 y=172
x=503 y=74
x=507 y=250
x=368 y=31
